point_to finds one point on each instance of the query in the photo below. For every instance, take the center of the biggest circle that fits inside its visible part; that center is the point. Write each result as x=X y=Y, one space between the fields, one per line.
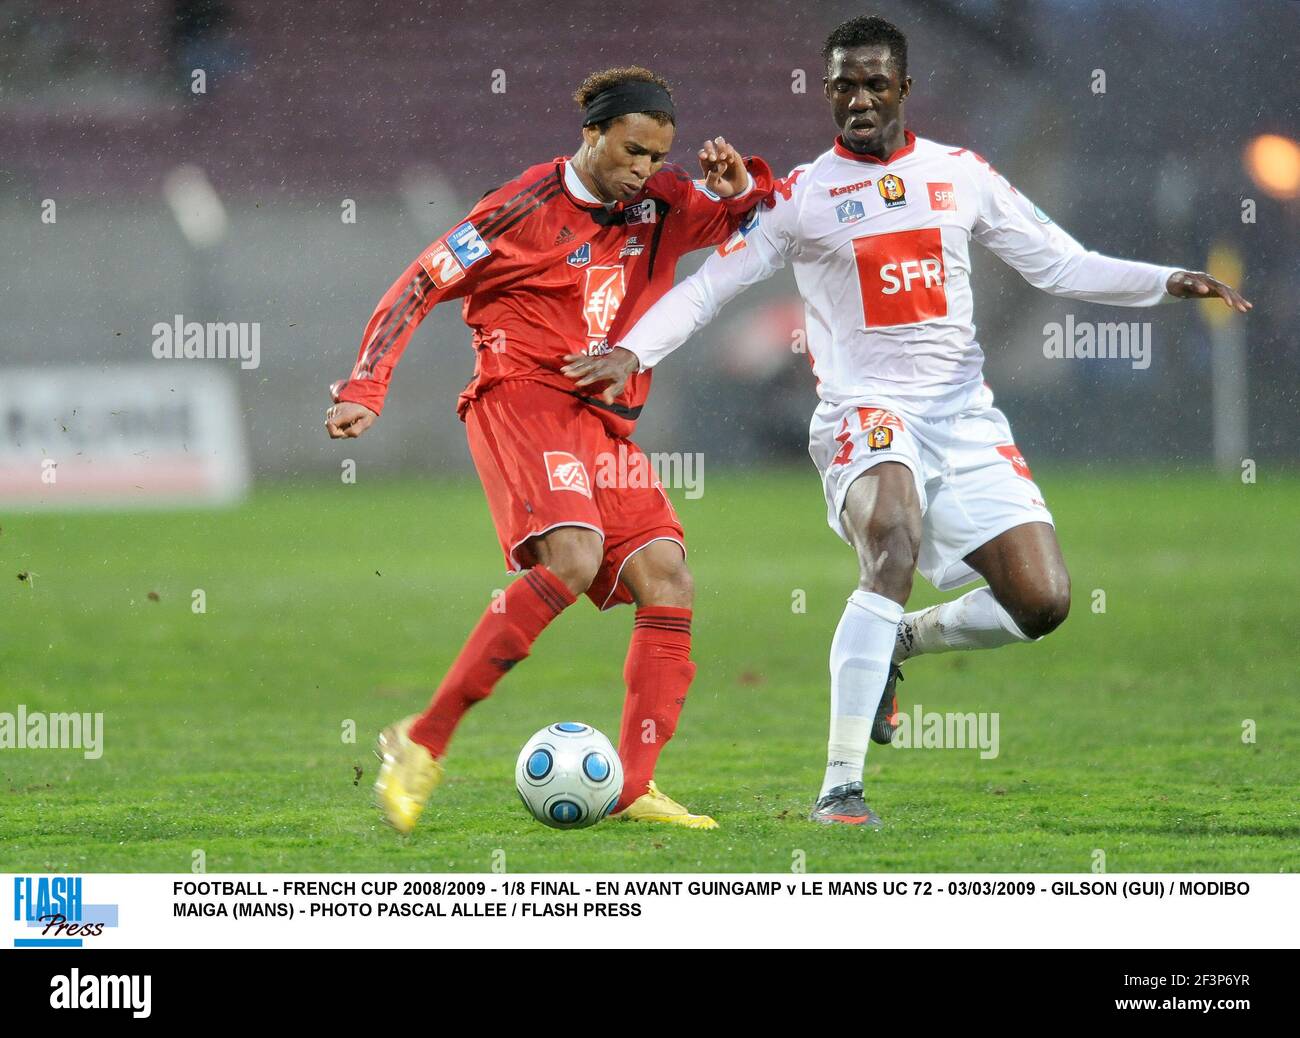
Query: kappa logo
x=892 y=190
x=565 y=472
x=602 y=295
x=643 y=212
x=580 y=256
x=850 y=211
x=848 y=189
x=941 y=196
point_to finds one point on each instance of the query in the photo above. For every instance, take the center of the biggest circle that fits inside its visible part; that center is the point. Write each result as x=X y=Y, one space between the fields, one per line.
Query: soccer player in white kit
x=920 y=470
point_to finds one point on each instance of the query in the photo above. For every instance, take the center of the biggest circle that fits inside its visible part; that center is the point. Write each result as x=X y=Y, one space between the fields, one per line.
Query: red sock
x=503 y=636
x=658 y=672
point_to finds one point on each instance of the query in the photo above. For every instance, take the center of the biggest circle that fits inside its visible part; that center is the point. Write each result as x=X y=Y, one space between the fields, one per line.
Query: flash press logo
x=55 y=906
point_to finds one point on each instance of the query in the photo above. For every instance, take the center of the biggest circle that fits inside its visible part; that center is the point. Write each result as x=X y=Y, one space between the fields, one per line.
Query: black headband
x=632 y=95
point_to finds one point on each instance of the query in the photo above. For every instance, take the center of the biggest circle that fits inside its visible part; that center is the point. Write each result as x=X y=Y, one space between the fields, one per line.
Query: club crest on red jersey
x=892 y=190
x=565 y=472
x=602 y=294
x=580 y=256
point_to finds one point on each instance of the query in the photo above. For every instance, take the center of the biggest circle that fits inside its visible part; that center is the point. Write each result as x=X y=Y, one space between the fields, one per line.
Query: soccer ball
x=569 y=776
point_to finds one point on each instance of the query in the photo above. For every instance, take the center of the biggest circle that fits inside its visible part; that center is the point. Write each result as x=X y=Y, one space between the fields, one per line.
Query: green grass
x=1122 y=732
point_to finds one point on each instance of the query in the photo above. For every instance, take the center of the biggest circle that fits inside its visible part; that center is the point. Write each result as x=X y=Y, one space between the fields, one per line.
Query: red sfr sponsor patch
x=901 y=276
x=566 y=472
x=1012 y=453
x=941 y=196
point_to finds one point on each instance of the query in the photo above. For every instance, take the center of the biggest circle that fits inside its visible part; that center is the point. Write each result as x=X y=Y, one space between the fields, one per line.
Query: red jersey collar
x=581 y=203
x=908 y=136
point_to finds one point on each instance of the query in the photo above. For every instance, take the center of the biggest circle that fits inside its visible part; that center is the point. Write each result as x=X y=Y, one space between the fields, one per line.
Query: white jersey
x=881 y=255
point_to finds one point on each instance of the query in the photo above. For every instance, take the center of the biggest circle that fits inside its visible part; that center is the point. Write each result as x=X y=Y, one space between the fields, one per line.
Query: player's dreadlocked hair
x=598 y=82
x=866 y=32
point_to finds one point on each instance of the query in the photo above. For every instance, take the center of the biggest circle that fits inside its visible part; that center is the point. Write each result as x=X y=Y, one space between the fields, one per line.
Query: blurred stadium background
x=391 y=104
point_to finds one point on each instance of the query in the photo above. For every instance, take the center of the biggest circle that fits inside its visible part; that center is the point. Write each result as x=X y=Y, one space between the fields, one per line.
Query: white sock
x=859 y=666
x=974 y=621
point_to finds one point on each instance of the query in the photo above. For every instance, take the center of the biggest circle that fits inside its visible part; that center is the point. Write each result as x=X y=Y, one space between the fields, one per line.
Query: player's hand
x=615 y=367
x=1196 y=284
x=348 y=421
x=723 y=168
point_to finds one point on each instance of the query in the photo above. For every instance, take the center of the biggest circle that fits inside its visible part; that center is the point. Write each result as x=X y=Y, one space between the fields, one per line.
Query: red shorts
x=546 y=460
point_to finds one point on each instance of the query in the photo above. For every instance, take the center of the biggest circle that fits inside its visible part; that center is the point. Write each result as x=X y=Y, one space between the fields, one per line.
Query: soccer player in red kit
x=551 y=265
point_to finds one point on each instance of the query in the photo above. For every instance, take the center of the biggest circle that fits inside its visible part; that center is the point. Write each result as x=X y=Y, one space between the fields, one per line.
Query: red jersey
x=544 y=274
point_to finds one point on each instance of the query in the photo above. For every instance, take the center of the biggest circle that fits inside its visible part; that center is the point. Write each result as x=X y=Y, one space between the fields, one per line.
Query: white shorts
x=971 y=479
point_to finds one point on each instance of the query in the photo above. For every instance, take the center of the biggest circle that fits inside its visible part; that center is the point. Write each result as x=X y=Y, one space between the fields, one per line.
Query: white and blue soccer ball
x=569 y=776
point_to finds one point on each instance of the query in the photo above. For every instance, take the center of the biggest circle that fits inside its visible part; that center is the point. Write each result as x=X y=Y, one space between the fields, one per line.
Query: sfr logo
x=902 y=277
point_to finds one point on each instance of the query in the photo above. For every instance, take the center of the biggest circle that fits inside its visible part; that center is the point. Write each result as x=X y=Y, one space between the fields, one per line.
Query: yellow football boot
x=408 y=774
x=653 y=806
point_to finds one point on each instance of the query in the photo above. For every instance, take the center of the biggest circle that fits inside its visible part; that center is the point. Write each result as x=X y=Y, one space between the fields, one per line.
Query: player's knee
x=661 y=578
x=575 y=567
x=1045 y=609
x=887 y=555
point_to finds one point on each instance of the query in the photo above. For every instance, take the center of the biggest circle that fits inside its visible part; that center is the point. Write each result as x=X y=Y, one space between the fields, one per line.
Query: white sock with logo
x=974 y=621
x=859 y=666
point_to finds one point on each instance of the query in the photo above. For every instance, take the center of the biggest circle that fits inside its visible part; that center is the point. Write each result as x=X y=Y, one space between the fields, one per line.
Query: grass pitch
x=225 y=732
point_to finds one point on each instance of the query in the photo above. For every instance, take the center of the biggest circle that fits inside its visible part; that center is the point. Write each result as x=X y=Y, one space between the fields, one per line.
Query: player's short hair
x=598 y=82
x=869 y=31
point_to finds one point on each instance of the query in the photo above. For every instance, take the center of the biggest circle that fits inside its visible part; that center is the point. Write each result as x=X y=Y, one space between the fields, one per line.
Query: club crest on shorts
x=880 y=438
x=565 y=472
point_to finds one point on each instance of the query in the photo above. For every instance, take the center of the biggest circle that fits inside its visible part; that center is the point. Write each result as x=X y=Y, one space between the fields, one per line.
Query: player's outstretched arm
x=1196 y=284
x=682 y=311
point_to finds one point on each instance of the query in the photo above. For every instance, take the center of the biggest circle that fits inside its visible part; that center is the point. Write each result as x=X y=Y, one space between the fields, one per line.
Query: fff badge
x=850 y=211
